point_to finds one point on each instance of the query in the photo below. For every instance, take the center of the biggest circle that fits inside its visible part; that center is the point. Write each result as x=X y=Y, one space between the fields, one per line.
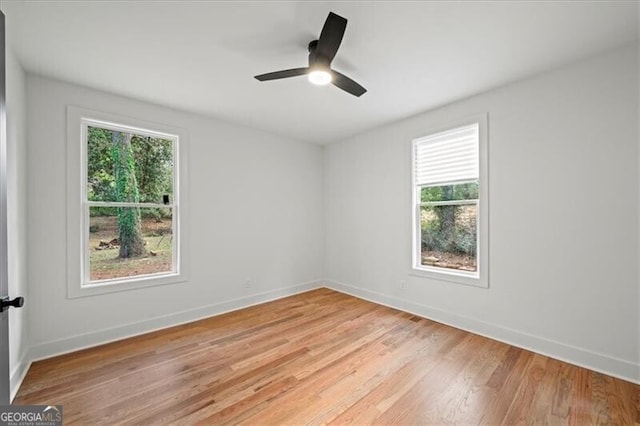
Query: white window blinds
x=447 y=157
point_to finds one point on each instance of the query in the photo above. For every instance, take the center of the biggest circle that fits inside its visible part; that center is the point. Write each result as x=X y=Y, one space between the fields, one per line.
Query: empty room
x=358 y=212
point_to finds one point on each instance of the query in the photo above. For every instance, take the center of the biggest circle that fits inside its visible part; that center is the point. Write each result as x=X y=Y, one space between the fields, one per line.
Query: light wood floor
x=321 y=357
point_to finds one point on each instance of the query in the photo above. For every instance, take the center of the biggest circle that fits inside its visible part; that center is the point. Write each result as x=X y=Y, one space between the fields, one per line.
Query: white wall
x=255 y=212
x=16 y=212
x=563 y=218
x=563 y=164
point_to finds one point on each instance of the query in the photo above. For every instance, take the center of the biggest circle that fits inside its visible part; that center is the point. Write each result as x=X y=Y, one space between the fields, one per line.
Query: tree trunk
x=448 y=221
x=129 y=220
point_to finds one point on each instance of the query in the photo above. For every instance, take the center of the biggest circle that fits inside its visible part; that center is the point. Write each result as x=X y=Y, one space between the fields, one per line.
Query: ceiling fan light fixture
x=320 y=77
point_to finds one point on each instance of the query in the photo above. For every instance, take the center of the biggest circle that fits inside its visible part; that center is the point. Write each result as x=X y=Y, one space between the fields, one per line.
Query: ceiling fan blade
x=294 y=72
x=346 y=84
x=331 y=36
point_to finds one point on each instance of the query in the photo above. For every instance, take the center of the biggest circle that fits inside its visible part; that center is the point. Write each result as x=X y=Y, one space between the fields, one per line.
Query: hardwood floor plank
x=414 y=406
x=504 y=383
x=334 y=367
x=323 y=357
x=582 y=405
x=519 y=410
x=465 y=397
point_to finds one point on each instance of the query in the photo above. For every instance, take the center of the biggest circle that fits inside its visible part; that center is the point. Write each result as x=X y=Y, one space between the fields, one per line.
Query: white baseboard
x=615 y=367
x=82 y=341
x=18 y=374
x=574 y=355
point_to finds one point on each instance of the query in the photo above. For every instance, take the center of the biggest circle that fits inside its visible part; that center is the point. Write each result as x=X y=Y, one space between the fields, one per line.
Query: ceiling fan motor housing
x=316 y=61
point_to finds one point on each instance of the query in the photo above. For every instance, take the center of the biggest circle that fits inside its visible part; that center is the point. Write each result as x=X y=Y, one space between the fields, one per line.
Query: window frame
x=78 y=206
x=480 y=278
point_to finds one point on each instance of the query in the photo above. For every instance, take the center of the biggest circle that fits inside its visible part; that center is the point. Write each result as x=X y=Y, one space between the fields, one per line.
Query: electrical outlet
x=403 y=284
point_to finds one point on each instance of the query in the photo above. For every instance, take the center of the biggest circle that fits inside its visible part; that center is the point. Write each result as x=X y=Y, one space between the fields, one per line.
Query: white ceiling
x=411 y=56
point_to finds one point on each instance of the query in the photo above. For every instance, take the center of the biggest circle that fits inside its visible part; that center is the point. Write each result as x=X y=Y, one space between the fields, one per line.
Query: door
x=4 y=285
x=5 y=303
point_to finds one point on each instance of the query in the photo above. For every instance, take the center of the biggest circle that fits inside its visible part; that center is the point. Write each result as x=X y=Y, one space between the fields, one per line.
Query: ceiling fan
x=321 y=53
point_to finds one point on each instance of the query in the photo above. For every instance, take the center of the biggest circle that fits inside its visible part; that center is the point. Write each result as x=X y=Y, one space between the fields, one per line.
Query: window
x=127 y=222
x=449 y=204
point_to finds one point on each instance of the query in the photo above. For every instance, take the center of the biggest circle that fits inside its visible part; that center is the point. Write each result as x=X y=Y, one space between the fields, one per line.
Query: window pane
x=449 y=237
x=127 y=167
x=463 y=191
x=128 y=242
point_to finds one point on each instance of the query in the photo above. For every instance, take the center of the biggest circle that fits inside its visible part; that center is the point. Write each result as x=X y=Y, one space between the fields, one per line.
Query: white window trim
x=475 y=279
x=77 y=227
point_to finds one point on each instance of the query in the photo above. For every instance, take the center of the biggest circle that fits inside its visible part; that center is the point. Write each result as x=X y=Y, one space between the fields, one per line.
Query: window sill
x=127 y=284
x=437 y=274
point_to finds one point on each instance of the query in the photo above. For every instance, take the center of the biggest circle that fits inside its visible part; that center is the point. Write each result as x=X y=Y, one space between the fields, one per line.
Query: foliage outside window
x=449 y=226
x=447 y=188
x=130 y=203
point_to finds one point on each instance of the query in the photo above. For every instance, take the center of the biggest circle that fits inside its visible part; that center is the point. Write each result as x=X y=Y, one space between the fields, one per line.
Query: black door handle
x=5 y=303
